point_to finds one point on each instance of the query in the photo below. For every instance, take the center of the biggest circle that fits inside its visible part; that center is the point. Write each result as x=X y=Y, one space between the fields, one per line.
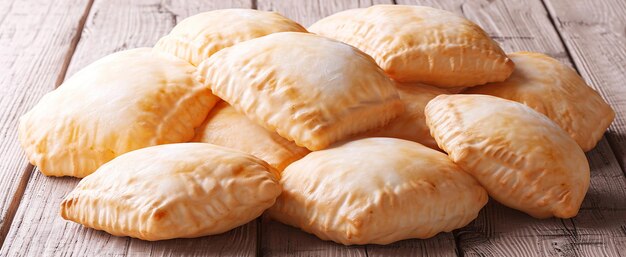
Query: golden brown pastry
x=420 y=44
x=226 y=127
x=523 y=159
x=307 y=88
x=173 y=191
x=122 y=102
x=411 y=124
x=377 y=191
x=557 y=91
x=198 y=37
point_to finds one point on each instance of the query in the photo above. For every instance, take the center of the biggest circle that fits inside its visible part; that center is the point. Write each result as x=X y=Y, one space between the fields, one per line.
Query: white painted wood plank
x=35 y=38
x=595 y=35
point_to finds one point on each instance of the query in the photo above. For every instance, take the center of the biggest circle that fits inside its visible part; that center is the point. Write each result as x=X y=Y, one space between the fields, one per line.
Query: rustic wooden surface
x=35 y=43
x=43 y=42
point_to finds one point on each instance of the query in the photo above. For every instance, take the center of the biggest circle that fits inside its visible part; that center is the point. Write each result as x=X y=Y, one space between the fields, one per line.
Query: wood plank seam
x=551 y=17
x=29 y=169
x=457 y=243
x=259 y=234
x=75 y=40
x=15 y=202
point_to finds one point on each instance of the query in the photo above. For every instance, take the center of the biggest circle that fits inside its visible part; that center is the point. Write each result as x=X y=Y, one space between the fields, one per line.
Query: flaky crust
x=196 y=38
x=173 y=191
x=122 y=102
x=521 y=157
x=226 y=127
x=307 y=88
x=411 y=124
x=558 y=92
x=378 y=191
x=420 y=44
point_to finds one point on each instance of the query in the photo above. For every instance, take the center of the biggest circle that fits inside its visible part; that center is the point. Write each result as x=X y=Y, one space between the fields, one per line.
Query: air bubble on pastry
x=523 y=159
x=556 y=90
x=173 y=191
x=411 y=124
x=196 y=38
x=122 y=102
x=420 y=44
x=226 y=127
x=307 y=88
x=377 y=191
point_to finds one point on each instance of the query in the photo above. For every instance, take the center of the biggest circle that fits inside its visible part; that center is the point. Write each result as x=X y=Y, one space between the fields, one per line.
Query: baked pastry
x=307 y=88
x=173 y=191
x=377 y=191
x=122 y=102
x=411 y=124
x=226 y=127
x=196 y=38
x=420 y=44
x=523 y=159
x=557 y=91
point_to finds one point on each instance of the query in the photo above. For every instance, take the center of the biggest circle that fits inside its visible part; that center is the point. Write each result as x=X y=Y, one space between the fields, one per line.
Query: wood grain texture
x=38 y=230
x=442 y=245
x=595 y=35
x=290 y=241
x=282 y=240
x=35 y=37
x=308 y=12
x=499 y=231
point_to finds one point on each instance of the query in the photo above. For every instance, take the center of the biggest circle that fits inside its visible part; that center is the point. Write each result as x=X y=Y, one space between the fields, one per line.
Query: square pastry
x=557 y=91
x=173 y=191
x=377 y=191
x=420 y=44
x=307 y=88
x=523 y=159
x=122 y=102
x=196 y=38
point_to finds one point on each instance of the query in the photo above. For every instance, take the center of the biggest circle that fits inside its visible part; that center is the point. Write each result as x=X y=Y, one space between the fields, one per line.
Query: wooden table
x=44 y=41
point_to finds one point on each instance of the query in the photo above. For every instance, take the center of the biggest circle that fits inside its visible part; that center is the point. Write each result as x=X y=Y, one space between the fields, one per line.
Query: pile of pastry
x=372 y=126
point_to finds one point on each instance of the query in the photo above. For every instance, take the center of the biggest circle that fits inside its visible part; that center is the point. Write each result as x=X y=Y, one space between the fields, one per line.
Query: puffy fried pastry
x=420 y=44
x=122 y=102
x=173 y=191
x=226 y=127
x=307 y=88
x=523 y=159
x=411 y=124
x=377 y=190
x=198 y=37
x=558 y=92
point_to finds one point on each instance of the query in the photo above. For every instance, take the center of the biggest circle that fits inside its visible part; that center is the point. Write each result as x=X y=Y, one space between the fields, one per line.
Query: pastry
x=411 y=124
x=523 y=159
x=309 y=89
x=420 y=44
x=557 y=91
x=122 y=102
x=377 y=191
x=173 y=191
x=226 y=127
x=196 y=38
